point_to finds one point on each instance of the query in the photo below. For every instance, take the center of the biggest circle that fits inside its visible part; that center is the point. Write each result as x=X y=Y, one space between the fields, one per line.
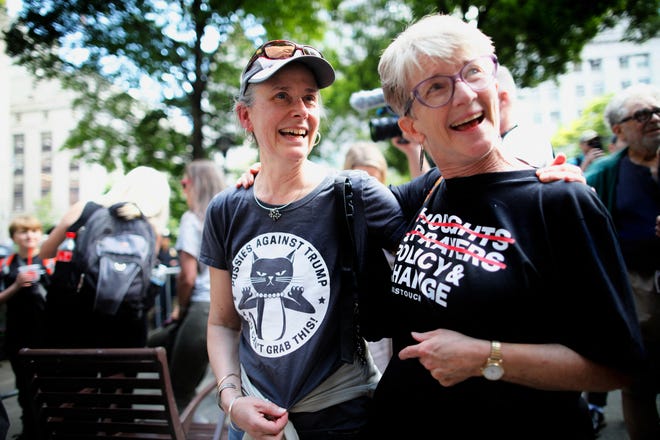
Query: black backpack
x=111 y=267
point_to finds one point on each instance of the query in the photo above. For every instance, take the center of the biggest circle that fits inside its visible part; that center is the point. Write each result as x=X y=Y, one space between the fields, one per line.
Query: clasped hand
x=259 y=418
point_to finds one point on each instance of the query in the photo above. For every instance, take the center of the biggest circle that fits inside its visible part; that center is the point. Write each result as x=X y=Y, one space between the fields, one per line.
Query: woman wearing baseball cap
x=275 y=338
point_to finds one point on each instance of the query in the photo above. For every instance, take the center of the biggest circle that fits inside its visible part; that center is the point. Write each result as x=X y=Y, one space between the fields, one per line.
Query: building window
x=596 y=65
x=19 y=144
x=598 y=88
x=553 y=93
x=17 y=204
x=643 y=60
x=624 y=62
x=46 y=141
x=579 y=90
x=74 y=182
x=625 y=84
x=18 y=201
x=555 y=117
x=19 y=154
x=46 y=163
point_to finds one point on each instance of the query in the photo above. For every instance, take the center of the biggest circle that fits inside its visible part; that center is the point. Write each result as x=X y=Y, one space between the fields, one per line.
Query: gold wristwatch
x=493 y=369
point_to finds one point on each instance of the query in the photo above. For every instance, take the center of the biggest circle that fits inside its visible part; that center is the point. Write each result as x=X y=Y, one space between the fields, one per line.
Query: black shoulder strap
x=345 y=212
x=89 y=209
x=349 y=330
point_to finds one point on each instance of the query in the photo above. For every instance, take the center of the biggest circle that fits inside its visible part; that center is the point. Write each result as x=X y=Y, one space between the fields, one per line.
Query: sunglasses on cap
x=642 y=116
x=281 y=50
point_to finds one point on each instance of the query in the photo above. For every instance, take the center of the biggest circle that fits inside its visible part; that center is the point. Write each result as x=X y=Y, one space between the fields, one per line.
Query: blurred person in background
x=627 y=183
x=71 y=323
x=517 y=139
x=24 y=277
x=184 y=336
x=591 y=148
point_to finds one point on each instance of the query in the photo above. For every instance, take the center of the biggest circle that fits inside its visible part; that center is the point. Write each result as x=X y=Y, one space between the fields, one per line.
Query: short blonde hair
x=434 y=37
x=148 y=189
x=366 y=154
x=24 y=223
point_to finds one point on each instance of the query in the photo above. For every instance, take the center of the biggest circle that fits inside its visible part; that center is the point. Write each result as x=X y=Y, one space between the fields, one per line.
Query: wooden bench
x=116 y=393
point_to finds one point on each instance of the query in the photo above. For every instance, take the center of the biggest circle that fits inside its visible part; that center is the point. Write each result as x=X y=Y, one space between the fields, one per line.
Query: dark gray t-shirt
x=286 y=279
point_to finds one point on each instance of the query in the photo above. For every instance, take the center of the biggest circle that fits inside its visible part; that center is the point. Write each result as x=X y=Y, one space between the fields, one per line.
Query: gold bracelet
x=225 y=377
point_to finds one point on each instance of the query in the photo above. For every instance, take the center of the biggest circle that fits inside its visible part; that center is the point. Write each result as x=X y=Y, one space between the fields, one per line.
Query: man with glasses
x=627 y=182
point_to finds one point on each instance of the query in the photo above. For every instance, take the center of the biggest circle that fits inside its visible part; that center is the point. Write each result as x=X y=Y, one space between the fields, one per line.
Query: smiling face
x=284 y=115
x=463 y=131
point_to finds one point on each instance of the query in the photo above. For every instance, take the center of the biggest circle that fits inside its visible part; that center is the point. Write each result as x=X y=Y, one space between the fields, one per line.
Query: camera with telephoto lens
x=384 y=126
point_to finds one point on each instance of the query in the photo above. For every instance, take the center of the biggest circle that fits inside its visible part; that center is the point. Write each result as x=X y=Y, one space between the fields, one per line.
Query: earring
x=317 y=139
x=421 y=156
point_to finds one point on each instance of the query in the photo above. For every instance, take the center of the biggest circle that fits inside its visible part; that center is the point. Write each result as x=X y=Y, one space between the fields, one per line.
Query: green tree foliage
x=536 y=39
x=121 y=46
x=567 y=138
x=190 y=49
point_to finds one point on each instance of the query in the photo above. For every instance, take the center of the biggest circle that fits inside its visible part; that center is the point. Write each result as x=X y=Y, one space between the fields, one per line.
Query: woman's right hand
x=259 y=418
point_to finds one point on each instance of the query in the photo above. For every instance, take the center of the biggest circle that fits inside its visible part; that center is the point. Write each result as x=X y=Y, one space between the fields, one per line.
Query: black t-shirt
x=501 y=256
x=25 y=325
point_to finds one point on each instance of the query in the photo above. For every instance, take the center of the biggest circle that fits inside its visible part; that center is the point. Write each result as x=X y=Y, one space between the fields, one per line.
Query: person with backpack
x=184 y=336
x=24 y=277
x=100 y=297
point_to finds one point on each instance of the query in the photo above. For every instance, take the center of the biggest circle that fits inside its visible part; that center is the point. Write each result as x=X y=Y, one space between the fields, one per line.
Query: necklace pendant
x=274 y=214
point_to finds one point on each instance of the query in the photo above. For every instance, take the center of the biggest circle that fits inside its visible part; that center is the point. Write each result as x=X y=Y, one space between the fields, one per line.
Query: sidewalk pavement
x=614 y=430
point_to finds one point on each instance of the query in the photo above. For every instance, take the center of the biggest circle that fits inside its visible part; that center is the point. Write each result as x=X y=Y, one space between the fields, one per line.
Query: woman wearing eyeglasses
x=500 y=277
x=275 y=332
x=627 y=183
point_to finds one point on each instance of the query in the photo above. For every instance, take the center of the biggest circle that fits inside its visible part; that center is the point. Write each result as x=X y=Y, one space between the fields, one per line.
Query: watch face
x=493 y=372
